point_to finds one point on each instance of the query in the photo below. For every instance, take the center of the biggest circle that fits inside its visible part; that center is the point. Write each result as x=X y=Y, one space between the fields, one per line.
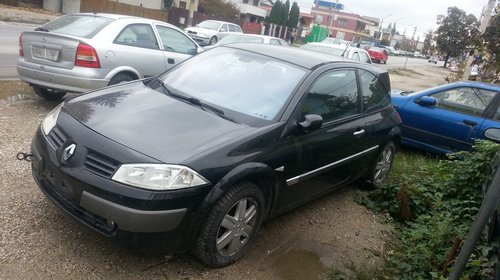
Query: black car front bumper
x=93 y=198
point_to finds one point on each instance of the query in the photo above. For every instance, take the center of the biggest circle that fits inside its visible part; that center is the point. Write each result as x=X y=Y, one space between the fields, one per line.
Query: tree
x=427 y=43
x=456 y=32
x=491 y=38
x=274 y=16
x=293 y=19
x=219 y=8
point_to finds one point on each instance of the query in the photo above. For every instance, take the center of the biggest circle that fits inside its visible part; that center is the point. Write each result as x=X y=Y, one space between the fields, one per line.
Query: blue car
x=449 y=118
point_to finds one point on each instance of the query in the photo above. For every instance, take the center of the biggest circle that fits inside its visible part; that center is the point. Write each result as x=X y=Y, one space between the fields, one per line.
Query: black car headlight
x=158 y=176
x=50 y=120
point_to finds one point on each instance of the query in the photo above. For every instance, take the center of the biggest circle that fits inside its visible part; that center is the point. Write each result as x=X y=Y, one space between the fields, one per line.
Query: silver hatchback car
x=82 y=52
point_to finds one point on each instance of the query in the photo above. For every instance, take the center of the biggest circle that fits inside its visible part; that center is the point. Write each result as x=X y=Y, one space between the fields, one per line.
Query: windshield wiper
x=42 y=29
x=194 y=101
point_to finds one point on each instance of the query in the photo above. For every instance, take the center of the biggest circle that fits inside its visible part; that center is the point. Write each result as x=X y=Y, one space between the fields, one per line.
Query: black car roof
x=304 y=58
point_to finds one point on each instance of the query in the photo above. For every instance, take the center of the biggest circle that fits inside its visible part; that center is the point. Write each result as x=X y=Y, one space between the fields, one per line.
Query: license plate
x=44 y=53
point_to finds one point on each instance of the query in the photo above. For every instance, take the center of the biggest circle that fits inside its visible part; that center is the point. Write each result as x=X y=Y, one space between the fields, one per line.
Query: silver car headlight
x=158 y=176
x=50 y=120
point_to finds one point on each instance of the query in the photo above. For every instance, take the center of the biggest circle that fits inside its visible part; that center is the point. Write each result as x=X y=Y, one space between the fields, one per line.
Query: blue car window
x=464 y=100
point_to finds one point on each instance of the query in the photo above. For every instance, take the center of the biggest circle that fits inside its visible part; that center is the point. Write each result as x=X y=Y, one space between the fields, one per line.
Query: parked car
x=433 y=59
x=336 y=41
x=217 y=145
x=208 y=32
x=249 y=38
x=82 y=52
x=378 y=54
x=448 y=118
x=356 y=54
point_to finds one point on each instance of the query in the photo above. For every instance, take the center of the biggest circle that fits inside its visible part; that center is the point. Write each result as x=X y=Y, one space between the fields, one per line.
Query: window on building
x=182 y=4
x=342 y=22
x=340 y=35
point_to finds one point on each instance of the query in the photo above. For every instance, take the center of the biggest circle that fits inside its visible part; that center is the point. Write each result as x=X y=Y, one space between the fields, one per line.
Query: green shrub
x=435 y=202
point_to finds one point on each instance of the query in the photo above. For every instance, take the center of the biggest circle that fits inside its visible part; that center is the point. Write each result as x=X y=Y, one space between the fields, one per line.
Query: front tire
x=47 y=94
x=231 y=226
x=382 y=166
x=212 y=41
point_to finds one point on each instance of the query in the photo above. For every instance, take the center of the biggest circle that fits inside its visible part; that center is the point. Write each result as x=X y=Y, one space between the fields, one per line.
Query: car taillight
x=21 y=50
x=86 y=56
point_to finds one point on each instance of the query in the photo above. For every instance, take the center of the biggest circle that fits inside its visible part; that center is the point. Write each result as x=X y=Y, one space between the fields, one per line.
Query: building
x=342 y=25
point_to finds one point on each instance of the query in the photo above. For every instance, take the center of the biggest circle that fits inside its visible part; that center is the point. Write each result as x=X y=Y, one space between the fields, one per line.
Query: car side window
x=274 y=42
x=464 y=100
x=333 y=96
x=238 y=29
x=355 y=56
x=175 y=41
x=375 y=95
x=231 y=28
x=137 y=35
x=223 y=28
x=364 y=57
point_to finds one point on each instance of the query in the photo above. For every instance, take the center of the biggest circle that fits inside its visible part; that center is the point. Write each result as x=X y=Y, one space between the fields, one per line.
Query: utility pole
x=332 y=15
x=485 y=20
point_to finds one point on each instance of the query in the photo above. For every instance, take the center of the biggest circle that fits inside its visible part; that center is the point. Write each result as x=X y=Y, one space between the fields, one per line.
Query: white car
x=208 y=32
x=340 y=50
x=249 y=38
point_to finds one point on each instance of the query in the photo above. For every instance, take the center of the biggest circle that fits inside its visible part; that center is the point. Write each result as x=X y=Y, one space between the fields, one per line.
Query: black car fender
x=258 y=173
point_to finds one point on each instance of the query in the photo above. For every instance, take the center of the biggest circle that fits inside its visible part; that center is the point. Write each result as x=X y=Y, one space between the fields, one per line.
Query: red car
x=378 y=54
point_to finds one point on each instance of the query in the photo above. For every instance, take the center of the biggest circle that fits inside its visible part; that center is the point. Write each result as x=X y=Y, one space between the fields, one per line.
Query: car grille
x=57 y=137
x=100 y=164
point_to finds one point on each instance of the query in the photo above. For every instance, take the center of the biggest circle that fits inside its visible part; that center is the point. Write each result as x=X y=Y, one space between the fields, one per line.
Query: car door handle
x=359 y=132
x=171 y=61
x=469 y=122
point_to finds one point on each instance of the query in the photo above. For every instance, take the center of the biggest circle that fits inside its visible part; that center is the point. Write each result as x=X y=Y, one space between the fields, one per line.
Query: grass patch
x=404 y=72
x=433 y=202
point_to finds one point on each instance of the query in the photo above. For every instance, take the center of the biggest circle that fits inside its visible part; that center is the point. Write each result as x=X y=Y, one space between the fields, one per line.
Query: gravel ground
x=26 y=15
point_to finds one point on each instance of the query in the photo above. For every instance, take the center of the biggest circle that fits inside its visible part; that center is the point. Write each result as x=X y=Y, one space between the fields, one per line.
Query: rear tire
x=382 y=165
x=120 y=78
x=231 y=226
x=48 y=94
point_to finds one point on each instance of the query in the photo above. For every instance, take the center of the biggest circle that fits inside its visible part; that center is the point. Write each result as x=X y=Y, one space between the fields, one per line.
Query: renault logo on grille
x=68 y=152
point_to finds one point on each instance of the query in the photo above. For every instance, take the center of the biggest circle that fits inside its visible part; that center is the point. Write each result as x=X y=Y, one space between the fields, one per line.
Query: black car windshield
x=243 y=82
x=85 y=26
x=209 y=25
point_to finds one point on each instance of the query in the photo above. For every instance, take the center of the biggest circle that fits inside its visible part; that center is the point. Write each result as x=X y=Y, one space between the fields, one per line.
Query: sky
x=407 y=13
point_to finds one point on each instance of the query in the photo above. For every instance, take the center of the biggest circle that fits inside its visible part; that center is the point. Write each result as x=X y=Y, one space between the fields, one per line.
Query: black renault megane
x=217 y=145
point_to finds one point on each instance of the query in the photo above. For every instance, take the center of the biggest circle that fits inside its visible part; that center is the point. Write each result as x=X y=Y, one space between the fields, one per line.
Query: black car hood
x=152 y=123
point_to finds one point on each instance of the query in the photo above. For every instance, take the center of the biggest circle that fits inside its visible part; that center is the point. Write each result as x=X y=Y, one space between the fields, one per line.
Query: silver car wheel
x=236 y=227
x=383 y=165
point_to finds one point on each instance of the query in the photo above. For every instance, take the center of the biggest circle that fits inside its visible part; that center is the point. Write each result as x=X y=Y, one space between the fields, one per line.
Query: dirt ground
x=38 y=241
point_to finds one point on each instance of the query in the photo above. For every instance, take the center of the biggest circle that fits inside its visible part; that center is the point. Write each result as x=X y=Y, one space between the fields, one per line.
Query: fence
x=99 y=6
x=23 y=3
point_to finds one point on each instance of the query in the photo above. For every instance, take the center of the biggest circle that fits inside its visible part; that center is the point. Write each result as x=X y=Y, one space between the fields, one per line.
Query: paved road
x=9 y=47
x=411 y=62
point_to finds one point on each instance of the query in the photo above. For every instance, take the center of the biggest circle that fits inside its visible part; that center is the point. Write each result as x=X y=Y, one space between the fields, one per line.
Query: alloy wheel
x=383 y=165
x=236 y=227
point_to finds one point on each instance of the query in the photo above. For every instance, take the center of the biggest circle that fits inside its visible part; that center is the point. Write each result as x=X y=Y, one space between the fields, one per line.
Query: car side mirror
x=427 y=101
x=492 y=134
x=311 y=122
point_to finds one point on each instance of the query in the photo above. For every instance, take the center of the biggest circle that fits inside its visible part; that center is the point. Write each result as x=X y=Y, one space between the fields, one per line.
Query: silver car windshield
x=237 y=80
x=240 y=39
x=209 y=25
x=85 y=26
x=323 y=49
